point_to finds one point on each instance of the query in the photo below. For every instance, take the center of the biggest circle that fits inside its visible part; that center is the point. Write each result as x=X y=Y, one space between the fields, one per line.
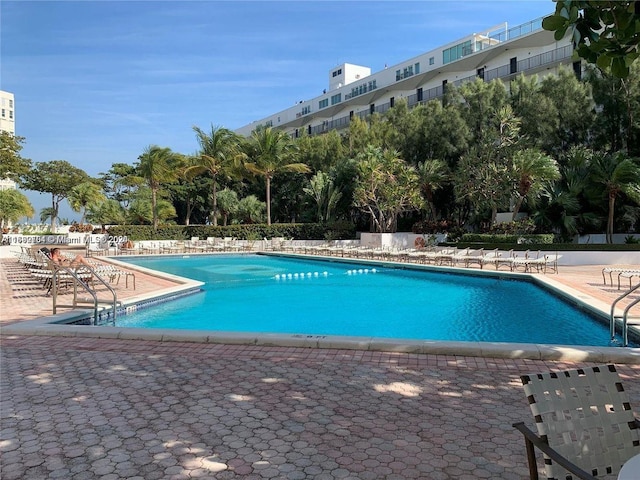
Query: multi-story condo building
x=7 y=124
x=498 y=53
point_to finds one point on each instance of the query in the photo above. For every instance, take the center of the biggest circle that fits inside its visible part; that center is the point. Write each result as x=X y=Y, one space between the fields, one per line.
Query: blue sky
x=95 y=82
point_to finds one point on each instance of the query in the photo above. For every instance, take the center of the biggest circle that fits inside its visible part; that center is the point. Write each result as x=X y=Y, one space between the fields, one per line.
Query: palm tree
x=83 y=195
x=251 y=210
x=326 y=195
x=434 y=174
x=272 y=152
x=531 y=168
x=158 y=165
x=107 y=212
x=219 y=152
x=619 y=175
x=228 y=202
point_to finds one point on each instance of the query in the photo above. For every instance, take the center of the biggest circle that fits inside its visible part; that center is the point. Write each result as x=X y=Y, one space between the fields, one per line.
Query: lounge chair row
x=210 y=245
x=42 y=270
x=622 y=272
x=514 y=261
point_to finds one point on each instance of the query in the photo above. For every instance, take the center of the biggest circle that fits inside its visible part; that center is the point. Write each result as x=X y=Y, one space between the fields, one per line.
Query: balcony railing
x=502 y=72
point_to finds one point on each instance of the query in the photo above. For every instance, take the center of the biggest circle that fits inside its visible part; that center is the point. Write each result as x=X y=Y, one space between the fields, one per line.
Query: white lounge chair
x=545 y=262
x=630 y=274
x=491 y=258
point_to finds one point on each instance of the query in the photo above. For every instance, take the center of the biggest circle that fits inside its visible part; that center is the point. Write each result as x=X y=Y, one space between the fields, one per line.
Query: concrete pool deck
x=109 y=408
x=582 y=285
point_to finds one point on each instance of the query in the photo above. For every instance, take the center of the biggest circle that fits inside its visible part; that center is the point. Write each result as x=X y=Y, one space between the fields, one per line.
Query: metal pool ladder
x=624 y=317
x=79 y=279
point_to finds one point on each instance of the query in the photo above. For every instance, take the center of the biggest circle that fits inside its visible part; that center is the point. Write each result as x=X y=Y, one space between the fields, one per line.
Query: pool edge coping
x=57 y=325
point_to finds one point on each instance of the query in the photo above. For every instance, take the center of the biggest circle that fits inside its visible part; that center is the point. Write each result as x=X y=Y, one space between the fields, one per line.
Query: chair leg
x=531 y=458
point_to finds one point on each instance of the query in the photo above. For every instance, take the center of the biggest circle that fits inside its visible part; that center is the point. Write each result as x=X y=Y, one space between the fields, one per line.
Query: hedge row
x=541 y=238
x=299 y=231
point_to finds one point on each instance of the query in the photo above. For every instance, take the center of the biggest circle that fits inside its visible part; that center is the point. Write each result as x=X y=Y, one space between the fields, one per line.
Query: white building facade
x=7 y=112
x=7 y=124
x=498 y=53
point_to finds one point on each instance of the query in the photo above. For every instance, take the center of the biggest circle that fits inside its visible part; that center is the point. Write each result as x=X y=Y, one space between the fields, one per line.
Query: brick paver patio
x=90 y=408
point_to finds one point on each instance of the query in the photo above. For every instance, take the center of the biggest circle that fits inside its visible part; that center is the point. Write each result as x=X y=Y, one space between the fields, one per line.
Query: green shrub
x=299 y=231
x=524 y=226
x=540 y=238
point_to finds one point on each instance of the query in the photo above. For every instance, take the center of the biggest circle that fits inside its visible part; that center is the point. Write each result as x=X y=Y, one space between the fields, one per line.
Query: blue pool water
x=255 y=294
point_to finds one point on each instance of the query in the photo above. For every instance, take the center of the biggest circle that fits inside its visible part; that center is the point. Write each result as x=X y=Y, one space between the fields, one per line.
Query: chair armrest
x=544 y=447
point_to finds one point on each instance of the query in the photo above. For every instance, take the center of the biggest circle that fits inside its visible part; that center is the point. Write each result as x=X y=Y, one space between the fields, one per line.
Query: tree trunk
x=612 y=204
x=516 y=208
x=268 y=182
x=154 y=208
x=189 y=208
x=215 y=204
x=53 y=214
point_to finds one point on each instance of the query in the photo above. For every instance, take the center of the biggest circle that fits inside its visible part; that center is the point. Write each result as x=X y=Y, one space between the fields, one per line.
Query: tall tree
x=385 y=188
x=12 y=165
x=119 y=182
x=484 y=176
x=539 y=115
x=141 y=209
x=442 y=134
x=619 y=176
x=83 y=195
x=478 y=103
x=218 y=156
x=228 y=204
x=57 y=177
x=108 y=212
x=157 y=166
x=324 y=193
x=434 y=174
x=531 y=169
x=271 y=152
x=574 y=103
x=618 y=105
x=13 y=206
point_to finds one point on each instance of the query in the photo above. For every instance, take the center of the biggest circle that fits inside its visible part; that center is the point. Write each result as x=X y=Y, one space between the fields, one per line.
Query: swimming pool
x=266 y=294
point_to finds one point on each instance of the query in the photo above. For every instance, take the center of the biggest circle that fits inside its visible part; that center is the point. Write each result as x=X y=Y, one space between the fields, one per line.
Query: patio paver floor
x=91 y=408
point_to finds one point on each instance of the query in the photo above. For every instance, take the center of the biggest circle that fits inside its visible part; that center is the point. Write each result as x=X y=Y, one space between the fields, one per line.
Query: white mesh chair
x=586 y=428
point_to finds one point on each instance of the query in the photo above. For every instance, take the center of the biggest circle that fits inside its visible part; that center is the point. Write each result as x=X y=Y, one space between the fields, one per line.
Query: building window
x=480 y=73
x=398 y=76
x=416 y=67
x=432 y=60
x=10 y=103
x=324 y=103
x=3 y=113
x=513 y=65
x=456 y=52
x=11 y=114
x=336 y=99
